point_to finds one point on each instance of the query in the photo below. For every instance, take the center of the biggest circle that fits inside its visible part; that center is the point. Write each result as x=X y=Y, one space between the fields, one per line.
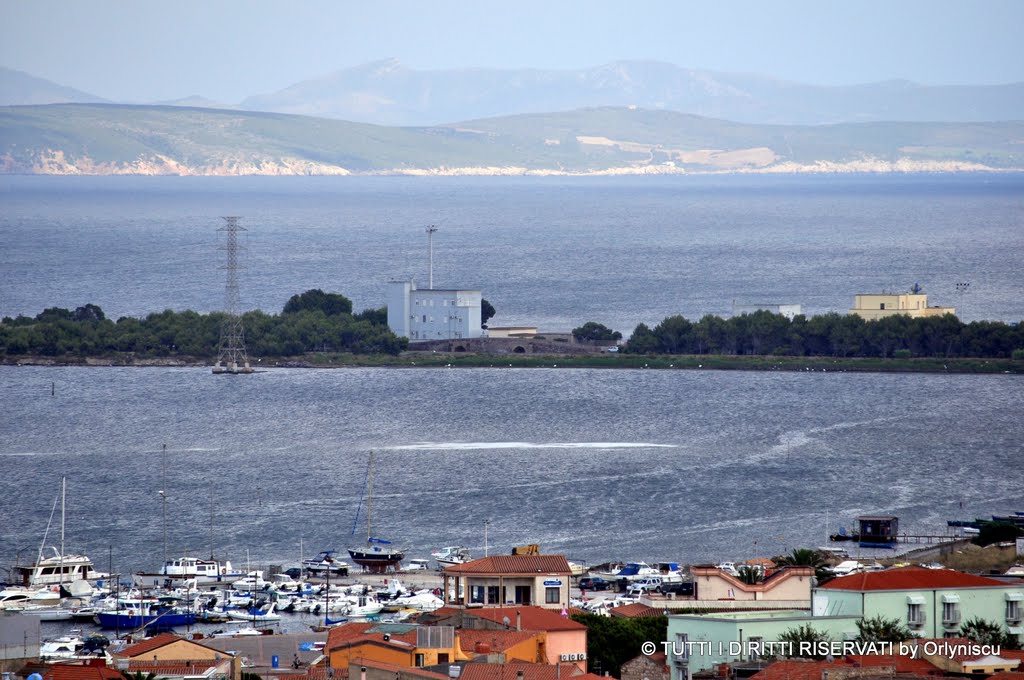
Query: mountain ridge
x=103 y=139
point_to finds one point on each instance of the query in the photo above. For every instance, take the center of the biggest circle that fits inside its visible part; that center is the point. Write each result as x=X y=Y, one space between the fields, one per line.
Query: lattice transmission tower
x=231 y=357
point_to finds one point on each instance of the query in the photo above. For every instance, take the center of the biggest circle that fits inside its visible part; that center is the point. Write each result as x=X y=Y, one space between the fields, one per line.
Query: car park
x=593 y=583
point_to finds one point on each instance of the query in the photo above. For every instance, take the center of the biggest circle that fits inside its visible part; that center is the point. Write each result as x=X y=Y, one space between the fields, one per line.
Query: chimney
x=519 y=622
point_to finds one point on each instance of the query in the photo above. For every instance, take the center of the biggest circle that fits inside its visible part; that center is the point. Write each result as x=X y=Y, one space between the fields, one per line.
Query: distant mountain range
x=121 y=139
x=388 y=93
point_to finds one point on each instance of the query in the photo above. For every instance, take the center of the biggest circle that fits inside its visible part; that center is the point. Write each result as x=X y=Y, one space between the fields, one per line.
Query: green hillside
x=109 y=139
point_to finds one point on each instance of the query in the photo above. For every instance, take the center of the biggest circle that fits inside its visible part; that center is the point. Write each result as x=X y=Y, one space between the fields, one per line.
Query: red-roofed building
x=518 y=671
x=635 y=610
x=933 y=603
x=566 y=640
x=92 y=670
x=518 y=645
x=539 y=580
x=846 y=668
x=171 y=652
x=399 y=644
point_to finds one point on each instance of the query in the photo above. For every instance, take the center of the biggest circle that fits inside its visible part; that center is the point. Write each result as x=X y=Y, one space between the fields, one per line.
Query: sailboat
x=379 y=555
x=61 y=568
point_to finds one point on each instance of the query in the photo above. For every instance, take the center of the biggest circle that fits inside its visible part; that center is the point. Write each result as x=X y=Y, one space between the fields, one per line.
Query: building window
x=552 y=595
x=419 y=661
x=755 y=646
x=681 y=650
x=1013 y=611
x=950 y=613
x=476 y=594
x=915 y=615
x=882 y=306
x=522 y=594
x=492 y=595
x=442 y=657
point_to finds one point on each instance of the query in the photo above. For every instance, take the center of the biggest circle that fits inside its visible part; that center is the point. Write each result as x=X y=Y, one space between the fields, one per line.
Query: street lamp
x=961 y=290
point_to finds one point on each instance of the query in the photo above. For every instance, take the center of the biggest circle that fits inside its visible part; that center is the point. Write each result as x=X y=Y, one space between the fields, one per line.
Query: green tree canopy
x=805 y=557
x=612 y=641
x=880 y=629
x=805 y=634
x=988 y=633
x=592 y=331
x=330 y=304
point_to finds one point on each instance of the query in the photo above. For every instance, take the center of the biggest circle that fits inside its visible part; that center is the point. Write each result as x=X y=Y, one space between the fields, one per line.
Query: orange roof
x=1007 y=675
x=510 y=671
x=910 y=578
x=155 y=642
x=902 y=664
x=530 y=618
x=513 y=564
x=349 y=634
x=81 y=672
x=498 y=640
x=631 y=611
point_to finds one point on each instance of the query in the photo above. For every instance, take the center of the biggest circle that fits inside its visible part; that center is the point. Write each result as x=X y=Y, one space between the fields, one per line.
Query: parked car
x=593 y=583
x=417 y=565
x=643 y=586
x=684 y=588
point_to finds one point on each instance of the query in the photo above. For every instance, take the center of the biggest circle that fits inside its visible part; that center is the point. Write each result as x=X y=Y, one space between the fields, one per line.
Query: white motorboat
x=183 y=569
x=251 y=582
x=325 y=562
x=256 y=616
x=451 y=555
x=421 y=600
x=64 y=647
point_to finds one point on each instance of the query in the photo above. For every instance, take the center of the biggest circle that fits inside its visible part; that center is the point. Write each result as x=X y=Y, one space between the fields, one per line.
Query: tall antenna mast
x=231 y=358
x=430 y=246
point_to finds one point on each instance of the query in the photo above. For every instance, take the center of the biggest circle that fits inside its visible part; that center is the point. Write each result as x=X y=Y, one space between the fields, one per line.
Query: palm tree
x=750 y=574
x=988 y=633
x=806 y=557
x=879 y=629
x=138 y=675
x=805 y=641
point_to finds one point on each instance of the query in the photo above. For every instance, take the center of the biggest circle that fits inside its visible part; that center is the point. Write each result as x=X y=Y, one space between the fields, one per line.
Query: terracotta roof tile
x=513 y=564
x=81 y=672
x=510 y=671
x=404 y=670
x=910 y=578
x=155 y=642
x=902 y=664
x=637 y=609
x=497 y=640
x=531 y=618
x=1007 y=675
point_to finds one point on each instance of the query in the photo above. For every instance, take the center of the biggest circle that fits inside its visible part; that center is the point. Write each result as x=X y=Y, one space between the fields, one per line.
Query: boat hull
x=377 y=560
x=126 y=620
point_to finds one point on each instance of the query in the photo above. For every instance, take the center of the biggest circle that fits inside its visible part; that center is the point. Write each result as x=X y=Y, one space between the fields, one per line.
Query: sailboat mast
x=369 y=497
x=63 y=494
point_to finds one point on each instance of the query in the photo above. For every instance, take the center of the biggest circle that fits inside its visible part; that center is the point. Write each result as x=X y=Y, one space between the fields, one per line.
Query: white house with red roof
x=932 y=603
x=502 y=580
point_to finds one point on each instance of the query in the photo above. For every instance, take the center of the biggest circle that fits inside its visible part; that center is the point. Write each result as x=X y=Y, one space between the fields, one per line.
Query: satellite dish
x=507 y=621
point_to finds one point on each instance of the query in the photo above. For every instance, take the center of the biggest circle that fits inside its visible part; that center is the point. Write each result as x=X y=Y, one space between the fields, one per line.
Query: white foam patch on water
x=479 y=446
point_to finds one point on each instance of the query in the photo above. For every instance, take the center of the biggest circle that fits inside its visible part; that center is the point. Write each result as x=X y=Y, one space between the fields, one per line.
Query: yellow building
x=874 y=306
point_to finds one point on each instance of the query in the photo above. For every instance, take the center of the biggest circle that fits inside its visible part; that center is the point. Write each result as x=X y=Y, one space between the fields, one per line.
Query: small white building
x=788 y=311
x=433 y=313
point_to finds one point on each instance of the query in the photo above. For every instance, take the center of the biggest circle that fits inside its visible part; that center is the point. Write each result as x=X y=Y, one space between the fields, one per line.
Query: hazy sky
x=146 y=50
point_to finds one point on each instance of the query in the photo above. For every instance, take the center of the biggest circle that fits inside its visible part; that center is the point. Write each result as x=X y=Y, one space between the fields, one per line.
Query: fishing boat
x=379 y=555
x=131 y=614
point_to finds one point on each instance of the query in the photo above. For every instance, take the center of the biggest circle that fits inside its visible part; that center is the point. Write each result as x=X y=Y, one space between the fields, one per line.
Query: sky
x=226 y=50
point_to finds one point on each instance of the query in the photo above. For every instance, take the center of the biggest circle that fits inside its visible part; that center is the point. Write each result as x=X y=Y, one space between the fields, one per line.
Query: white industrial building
x=432 y=313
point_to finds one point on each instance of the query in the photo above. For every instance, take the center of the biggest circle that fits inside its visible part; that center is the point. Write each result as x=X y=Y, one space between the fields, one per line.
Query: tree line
x=836 y=335
x=313 y=321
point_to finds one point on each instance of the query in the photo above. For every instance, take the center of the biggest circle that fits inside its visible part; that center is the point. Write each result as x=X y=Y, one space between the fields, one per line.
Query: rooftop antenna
x=430 y=246
x=231 y=358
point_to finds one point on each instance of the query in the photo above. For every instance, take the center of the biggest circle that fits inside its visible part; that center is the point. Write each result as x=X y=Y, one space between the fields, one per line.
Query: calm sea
x=682 y=465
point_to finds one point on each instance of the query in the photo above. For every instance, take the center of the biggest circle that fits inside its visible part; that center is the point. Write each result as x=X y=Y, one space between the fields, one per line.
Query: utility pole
x=961 y=291
x=430 y=247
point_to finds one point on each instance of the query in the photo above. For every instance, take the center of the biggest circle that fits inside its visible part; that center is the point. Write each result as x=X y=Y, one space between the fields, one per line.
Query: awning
x=1014 y=597
x=915 y=599
x=951 y=598
x=1016 y=630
